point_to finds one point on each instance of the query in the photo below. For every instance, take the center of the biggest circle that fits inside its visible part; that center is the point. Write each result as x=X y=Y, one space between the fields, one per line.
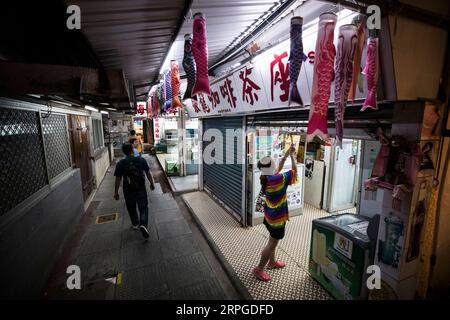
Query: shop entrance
x=344 y=178
x=80 y=152
x=331 y=179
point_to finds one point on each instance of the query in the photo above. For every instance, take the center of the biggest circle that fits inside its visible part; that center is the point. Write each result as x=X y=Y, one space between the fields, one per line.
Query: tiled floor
x=182 y=184
x=179 y=184
x=172 y=264
x=241 y=248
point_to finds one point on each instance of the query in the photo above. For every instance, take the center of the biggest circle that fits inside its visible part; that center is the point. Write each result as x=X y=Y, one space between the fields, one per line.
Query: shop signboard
x=157 y=129
x=263 y=83
x=141 y=109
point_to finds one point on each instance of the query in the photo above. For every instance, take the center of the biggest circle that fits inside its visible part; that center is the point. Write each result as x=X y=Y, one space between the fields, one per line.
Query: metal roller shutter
x=225 y=181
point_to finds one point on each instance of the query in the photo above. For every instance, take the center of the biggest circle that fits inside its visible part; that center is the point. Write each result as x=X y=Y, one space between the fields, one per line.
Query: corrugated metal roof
x=132 y=35
x=135 y=35
x=227 y=22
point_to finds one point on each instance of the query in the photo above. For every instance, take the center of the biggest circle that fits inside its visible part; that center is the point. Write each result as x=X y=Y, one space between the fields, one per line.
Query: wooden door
x=79 y=133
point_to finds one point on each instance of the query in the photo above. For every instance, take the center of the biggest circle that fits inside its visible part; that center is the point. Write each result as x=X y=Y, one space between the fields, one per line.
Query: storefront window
x=170 y=146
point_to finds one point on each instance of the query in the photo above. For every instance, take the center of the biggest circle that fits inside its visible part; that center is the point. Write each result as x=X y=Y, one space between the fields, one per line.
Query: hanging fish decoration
x=323 y=75
x=295 y=59
x=151 y=106
x=175 y=83
x=162 y=91
x=345 y=54
x=200 y=51
x=189 y=66
x=371 y=72
x=168 y=90
x=156 y=104
x=360 y=22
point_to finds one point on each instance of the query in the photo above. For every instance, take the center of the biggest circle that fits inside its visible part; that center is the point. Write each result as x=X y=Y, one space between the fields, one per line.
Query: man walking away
x=132 y=170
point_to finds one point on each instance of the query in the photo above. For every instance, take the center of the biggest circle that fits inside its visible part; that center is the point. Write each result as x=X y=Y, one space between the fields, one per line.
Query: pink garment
x=346 y=48
x=371 y=72
x=200 y=51
x=381 y=162
x=412 y=167
x=323 y=75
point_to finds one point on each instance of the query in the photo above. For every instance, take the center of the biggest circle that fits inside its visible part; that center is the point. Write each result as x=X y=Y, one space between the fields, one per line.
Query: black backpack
x=133 y=175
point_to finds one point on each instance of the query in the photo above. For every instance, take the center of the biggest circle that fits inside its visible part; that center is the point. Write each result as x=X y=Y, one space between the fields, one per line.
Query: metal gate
x=226 y=179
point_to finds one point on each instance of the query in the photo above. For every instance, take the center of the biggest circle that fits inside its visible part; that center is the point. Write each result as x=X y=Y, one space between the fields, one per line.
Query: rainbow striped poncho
x=276 y=208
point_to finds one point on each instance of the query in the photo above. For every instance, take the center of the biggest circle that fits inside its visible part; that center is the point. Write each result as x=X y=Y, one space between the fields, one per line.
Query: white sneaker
x=144 y=232
x=135 y=227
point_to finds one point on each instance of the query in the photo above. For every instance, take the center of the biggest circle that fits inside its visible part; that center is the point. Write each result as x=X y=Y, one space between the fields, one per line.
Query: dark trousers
x=138 y=198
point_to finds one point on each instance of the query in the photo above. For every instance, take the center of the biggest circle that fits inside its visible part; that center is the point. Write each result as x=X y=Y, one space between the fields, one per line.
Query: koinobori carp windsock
x=200 y=51
x=156 y=103
x=371 y=72
x=360 y=22
x=295 y=59
x=189 y=66
x=168 y=91
x=323 y=75
x=345 y=53
x=175 y=84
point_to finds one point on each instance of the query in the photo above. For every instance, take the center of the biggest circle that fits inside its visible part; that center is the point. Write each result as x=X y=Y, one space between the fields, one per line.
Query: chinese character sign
x=227 y=91
x=214 y=98
x=249 y=87
x=156 y=129
x=279 y=74
x=141 y=109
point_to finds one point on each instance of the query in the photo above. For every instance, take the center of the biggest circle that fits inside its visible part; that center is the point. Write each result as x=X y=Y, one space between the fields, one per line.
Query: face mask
x=136 y=152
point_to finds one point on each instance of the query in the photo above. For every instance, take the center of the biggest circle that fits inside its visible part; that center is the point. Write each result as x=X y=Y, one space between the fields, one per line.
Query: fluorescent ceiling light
x=169 y=57
x=104 y=103
x=35 y=95
x=236 y=65
x=60 y=102
x=91 y=108
x=104 y=112
x=112 y=109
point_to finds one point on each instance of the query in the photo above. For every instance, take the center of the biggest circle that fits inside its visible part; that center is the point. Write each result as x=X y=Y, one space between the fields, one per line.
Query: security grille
x=225 y=180
x=54 y=128
x=22 y=162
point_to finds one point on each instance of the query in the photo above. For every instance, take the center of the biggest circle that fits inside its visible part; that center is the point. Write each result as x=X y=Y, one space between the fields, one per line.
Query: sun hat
x=267 y=166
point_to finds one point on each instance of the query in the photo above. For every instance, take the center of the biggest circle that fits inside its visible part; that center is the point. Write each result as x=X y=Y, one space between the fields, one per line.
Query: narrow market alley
x=117 y=263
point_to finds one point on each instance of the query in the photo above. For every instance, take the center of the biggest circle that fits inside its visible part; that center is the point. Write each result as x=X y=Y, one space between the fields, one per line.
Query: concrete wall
x=418 y=52
x=101 y=164
x=30 y=244
x=440 y=276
